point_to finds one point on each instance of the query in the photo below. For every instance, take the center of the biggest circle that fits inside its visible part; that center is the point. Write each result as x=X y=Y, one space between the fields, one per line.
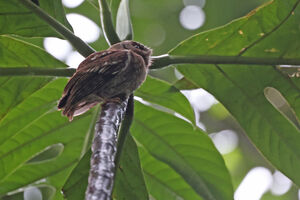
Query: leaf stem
x=158 y=62
x=166 y=60
x=107 y=24
x=82 y=47
x=124 y=130
x=36 y=71
x=90 y=133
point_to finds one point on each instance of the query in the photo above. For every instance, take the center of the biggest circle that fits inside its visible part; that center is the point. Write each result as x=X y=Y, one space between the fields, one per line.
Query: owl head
x=136 y=47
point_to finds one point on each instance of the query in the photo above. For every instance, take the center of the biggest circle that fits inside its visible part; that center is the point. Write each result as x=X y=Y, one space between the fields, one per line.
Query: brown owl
x=112 y=74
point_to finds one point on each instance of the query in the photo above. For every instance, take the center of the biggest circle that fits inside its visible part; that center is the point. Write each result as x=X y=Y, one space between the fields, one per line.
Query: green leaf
x=39 y=126
x=114 y=7
x=123 y=25
x=113 y=4
x=77 y=182
x=269 y=31
x=162 y=181
x=94 y=3
x=189 y=151
x=45 y=191
x=129 y=182
x=185 y=84
x=17 y=53
x=129 y=178
x=14 y=90
x=48 y=154
x=163 y=94
x=29 y=122
x=19 y=20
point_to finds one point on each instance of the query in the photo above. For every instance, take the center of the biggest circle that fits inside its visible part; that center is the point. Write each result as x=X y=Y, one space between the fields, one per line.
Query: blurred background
x=161 y=25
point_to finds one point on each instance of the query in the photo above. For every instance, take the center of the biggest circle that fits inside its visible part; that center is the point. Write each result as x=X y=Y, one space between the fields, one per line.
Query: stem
x=165 y=60
x=126 y=123
x=158 y=62
x=90 y=133
x=107 y=24
x=104 y=147
x=36 y=71
x=82 y=47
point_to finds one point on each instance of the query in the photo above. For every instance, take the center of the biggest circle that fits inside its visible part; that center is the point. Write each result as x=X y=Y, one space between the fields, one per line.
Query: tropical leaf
x=77 y=182
x=163 y=94
x=129 y=181
x=189 y=151
x=40 y=131
x=241 y=88
x=30 y=125
x=14 y=90
x=162 y=181
x=129 y=178
x=18 y=20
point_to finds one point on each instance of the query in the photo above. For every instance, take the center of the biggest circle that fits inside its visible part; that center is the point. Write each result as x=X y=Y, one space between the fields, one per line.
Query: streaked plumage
x=106 y=75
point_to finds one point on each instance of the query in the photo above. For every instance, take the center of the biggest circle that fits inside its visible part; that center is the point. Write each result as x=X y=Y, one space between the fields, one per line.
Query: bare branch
x=36 y=71
x=165 y=60
x=83 y=48
x=104 y=147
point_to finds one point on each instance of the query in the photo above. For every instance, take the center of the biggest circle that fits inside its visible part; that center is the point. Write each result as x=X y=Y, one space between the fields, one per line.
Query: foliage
x=166 y=156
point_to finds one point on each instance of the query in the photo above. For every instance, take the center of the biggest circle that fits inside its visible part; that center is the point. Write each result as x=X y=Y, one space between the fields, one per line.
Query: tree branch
x=158 y=62
x=104 y=147
x=36 y=71
x=107 y=24
x=83 y=48
x=165 y=60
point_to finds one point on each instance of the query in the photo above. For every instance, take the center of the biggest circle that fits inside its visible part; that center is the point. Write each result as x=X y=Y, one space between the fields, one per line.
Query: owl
x=110 y=75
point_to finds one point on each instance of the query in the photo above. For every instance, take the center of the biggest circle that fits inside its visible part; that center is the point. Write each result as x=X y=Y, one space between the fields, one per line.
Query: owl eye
x=138 y=46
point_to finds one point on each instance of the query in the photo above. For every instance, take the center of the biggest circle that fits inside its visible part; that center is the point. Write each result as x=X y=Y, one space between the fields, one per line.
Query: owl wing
x=92 y=74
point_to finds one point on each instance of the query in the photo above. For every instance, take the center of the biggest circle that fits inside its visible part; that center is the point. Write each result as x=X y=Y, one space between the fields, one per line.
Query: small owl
x=109 y=75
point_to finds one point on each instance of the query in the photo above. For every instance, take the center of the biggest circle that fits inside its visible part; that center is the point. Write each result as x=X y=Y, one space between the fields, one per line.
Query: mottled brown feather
x=102 y=76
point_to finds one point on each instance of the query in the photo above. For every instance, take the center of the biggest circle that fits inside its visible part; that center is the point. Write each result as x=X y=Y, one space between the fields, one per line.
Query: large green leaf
x=162 y=181
x=129 y=181
x=187 y=150
x=113 y=5
x=154 y=91
x=17 y=53
x=45 y=190
x=163 y=94
x=41 y=126
x=129 y=178
x=14 y=90
x=76 y=184
x=17 y=19
x=269 y=31
x=29 y=122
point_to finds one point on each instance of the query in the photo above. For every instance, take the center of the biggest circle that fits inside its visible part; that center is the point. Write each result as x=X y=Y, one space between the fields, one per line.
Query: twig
x=90 y=133
x=158 y=62
x=165 y=60
x=36 y=71
x=83 y=48
x=124 y=130
x=107 y=24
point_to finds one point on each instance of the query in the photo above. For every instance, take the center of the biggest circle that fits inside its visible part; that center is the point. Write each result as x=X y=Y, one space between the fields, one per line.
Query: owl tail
x=62 y=105
x=62 y=102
